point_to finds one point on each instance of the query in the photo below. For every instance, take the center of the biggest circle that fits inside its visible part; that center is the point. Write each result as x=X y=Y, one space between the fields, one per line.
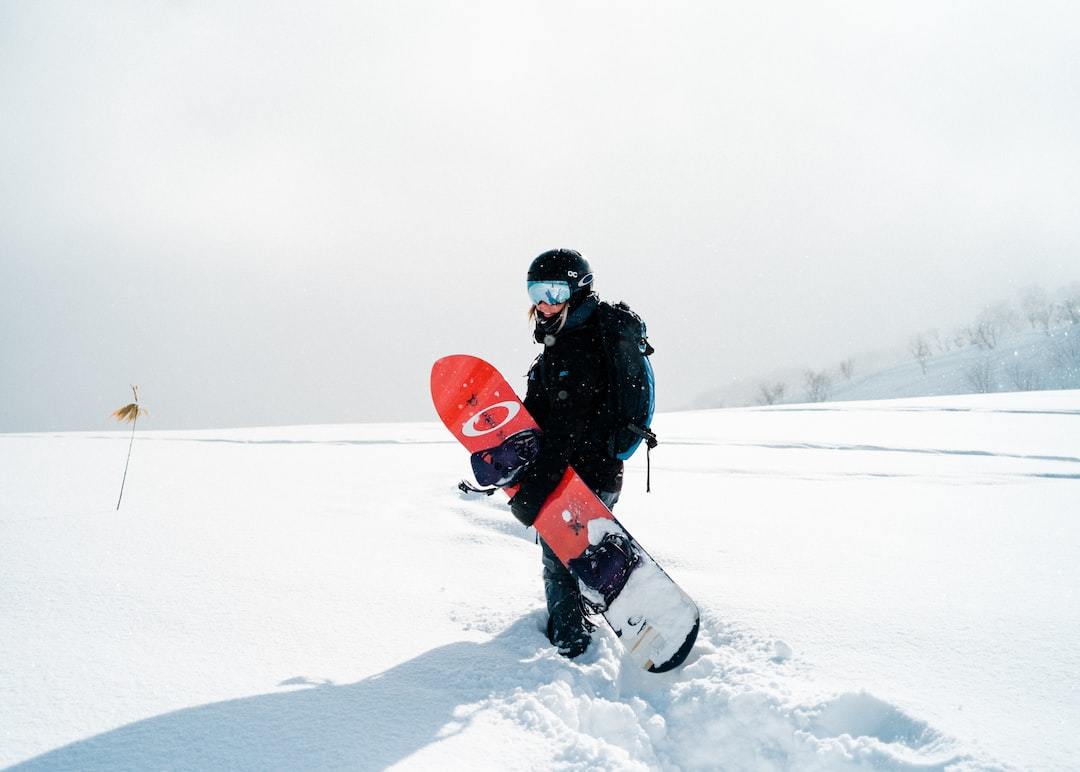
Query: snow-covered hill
x=1022 y=361
x=884 y=585
x=1027 y=361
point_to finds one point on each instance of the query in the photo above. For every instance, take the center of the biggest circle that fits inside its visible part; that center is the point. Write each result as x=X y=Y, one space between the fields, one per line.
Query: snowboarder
x=568 y=395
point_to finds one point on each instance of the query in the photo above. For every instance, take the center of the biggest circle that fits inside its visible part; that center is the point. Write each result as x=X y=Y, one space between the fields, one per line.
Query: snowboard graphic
x=654 y=619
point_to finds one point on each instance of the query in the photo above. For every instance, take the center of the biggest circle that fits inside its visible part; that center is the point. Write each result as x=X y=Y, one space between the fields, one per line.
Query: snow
x=883 y=584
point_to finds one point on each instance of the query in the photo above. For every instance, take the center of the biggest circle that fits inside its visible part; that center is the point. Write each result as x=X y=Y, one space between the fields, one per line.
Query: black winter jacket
x=568 y=397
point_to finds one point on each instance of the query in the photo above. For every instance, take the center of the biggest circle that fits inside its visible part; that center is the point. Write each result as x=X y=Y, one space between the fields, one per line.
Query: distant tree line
x=817 y=385
x=1051 y=315
x=1057 y=316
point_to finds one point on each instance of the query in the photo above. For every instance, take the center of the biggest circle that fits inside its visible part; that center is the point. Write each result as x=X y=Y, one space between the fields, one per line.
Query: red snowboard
x=653 y=617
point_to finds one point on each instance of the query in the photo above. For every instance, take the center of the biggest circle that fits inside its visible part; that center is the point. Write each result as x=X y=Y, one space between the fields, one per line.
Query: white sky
x=269 y=213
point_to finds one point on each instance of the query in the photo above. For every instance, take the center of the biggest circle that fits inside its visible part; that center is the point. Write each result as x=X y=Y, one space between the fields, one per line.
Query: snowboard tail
x=653 y=618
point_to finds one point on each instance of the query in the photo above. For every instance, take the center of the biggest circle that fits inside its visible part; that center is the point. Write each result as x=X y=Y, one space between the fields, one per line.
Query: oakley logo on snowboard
x=469 y=428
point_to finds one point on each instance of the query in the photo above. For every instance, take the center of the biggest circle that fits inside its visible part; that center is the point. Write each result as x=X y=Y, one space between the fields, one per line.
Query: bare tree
x=771 y=394
x=818 y=385
x=1023 y=378
x=991 y=323
x=919 y=347
x=980 y=375
x=934 y=338
x=986 y=334
x=1037 y=308
x=1065 y=352
x=982 y=335
x=847 y=368
x=1069 y=305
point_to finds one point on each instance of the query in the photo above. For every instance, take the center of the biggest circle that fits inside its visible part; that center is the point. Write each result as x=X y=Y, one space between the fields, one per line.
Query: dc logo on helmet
x=562 y=265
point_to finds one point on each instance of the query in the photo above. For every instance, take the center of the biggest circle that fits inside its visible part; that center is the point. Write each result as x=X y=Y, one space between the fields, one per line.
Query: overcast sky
x=271 y=213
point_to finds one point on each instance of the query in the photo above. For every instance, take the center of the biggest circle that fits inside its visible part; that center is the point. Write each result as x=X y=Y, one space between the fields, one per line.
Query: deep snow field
x=884 y=585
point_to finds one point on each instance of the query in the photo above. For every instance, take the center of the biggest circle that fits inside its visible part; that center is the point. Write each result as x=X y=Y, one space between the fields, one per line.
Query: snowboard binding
x=604 y=568
x=504 y=464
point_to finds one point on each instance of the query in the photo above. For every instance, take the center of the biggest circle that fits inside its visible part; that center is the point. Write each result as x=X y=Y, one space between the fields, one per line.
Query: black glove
x=532 y=494
x=540 y=481
x=526 y=506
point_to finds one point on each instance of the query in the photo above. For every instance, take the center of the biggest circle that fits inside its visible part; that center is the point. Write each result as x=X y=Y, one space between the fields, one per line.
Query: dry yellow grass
x=129 y=413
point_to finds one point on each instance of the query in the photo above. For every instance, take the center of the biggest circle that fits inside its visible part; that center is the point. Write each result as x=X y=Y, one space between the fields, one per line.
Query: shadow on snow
x=369 y=724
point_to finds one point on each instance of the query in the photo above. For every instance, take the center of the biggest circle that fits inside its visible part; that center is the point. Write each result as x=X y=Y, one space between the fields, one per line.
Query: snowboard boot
x=567 y=628
x=573 y=644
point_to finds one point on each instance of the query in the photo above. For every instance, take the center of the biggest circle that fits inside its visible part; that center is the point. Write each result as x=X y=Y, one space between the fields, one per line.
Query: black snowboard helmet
x=559 y=276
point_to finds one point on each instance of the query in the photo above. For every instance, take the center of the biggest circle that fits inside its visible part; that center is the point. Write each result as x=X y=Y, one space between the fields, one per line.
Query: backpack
x=630 y=377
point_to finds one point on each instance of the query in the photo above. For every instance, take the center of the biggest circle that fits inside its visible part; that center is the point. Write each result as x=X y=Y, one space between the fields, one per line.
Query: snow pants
x=567 y=628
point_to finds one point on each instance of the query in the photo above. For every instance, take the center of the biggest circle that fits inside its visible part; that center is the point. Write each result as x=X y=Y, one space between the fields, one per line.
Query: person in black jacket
x=568 y=396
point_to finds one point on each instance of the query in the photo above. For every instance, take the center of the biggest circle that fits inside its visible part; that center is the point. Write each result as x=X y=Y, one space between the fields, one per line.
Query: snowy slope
x=1026 y=361
x=884 y=585
x=1022 y=361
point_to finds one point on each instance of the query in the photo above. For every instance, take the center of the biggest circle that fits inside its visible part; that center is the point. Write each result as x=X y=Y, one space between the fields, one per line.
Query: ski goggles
x=550 y=292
